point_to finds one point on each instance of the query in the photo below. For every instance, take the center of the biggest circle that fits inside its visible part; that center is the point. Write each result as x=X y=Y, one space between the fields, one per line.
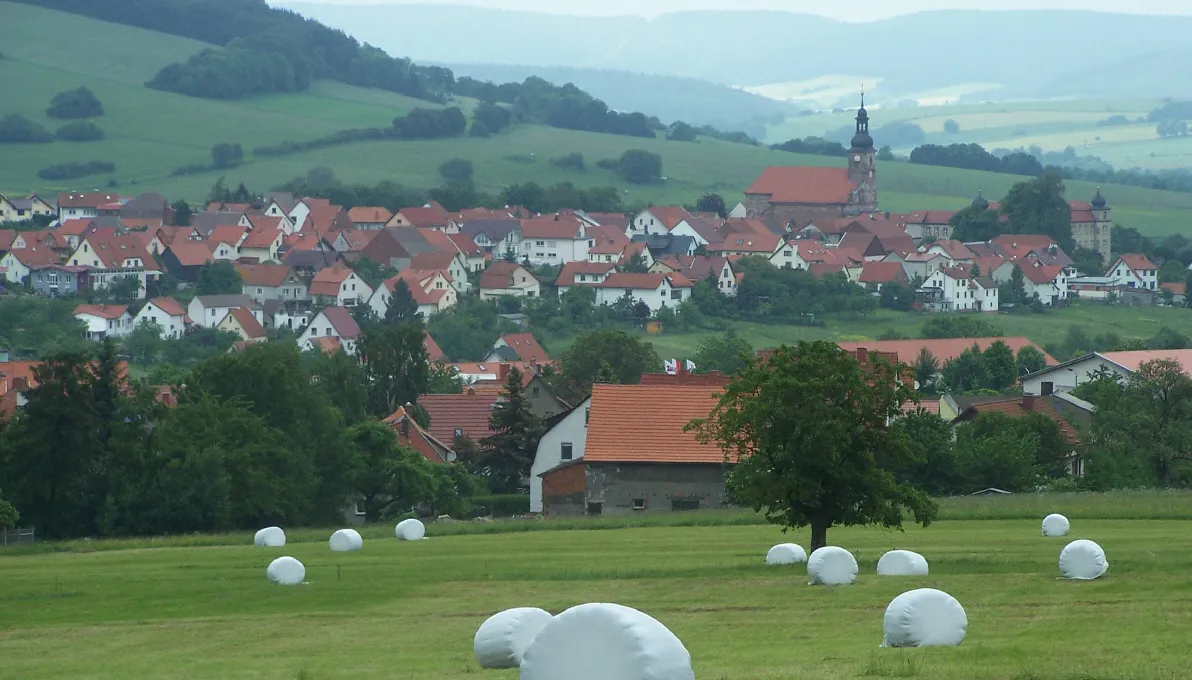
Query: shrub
x=80 y=103
x=572 y=161
x=457 y=170
x=76 y=170
x=81 y=131
x=607 y=164
x=638 y=166
x=17 y=129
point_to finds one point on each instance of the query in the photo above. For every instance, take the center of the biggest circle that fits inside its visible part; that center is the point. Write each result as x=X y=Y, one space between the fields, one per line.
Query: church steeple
x=862 y=141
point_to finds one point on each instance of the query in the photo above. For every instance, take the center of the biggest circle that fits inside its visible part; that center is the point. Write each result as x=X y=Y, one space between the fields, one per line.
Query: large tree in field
x=508 y=452
x=810 y=431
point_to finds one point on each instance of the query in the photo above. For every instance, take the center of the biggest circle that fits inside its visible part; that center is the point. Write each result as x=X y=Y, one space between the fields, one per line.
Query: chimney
x=471 y=392
x=20 y=384
x=863 y=356
x=503 y=371
x=1028 y=402
x=405 y=427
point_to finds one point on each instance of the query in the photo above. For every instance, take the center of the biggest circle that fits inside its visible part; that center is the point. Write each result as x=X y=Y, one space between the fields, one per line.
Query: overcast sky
x=840 y=9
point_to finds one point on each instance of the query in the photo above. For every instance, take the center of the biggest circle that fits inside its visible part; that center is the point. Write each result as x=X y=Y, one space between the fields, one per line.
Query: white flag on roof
x=690 y=366
x=672 y=366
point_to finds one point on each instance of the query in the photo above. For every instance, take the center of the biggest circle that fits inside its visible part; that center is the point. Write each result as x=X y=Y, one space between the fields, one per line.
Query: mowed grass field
x=149 y=133
x=1043 y=329
x=409 y=610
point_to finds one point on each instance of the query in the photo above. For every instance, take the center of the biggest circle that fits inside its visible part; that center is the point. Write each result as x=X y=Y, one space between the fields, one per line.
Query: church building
x=789 y=198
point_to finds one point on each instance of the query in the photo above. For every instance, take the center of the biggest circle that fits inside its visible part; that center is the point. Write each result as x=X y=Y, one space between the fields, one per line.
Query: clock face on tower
x=857 y=159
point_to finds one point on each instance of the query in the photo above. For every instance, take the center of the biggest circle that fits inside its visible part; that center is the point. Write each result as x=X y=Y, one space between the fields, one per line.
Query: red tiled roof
x=369 y=215
x=267 y=275
x=882 y=272
x=561 y=227
x=74 y=227
x=191 y=253
x=1037 y=273
x=942 y=349
x=357 y=239
x=425 y=217
x=341 y=319
x=820 y=268
x=803 y=185
x=168 y=305
x=644 y=281
x=230 y=234
x=1133 y=360
x=501 y=275
x=607 y=248
x=328 y=281
x=465 y=244
x=102 y=311
x=1174 y=288
x=17 y=370
x=469 y=412
x=1137 y=262
x=670 y=215
x=571 y=269
x=262 y=237
x=954 y=249
x=747 y=243
x=710 y=379
x=433 y=261
x=931 y=406
x=433 y=351
x=618 y=432
x=1020 y=406
x=248 y=323
x=86 y=200
x=411 y=435
x=324 y=217
x=526 y=347
x=35 y=255
x=325 y=343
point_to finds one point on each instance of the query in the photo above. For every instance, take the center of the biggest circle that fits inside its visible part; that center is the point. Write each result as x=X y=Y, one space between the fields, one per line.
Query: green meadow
x=150 y=133
x=200 y=607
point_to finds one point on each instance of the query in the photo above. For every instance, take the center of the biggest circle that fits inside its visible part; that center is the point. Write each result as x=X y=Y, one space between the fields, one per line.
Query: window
x=539 y=243
x=357 y=510
x=459 y=432
x=535 y=391
x=587 y=414
x=595 y=508
x=565 y=451
x=684 y=504
x=260 y=291
x=639 y=504
x=328 y=330
x=676 y=295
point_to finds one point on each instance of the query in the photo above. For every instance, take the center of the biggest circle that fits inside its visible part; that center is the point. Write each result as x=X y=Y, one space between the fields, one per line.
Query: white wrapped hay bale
x=902 y=563
x=346 y=540
x=1083 y=560
x=270 y=537
x=410 y=530
x=831 y=566
x=501 y=641
x=1055 y=525
x=286 y=571
x=786 y=553
x=924 y=618
x=605 y=641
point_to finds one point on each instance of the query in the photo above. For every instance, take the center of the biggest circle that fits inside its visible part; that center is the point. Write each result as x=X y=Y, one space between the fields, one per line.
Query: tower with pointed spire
x=862 y=165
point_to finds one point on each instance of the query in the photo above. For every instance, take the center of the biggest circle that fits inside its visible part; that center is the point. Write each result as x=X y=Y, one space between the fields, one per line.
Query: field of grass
x=1043 y=329
x=149 y=133
x=409 y=610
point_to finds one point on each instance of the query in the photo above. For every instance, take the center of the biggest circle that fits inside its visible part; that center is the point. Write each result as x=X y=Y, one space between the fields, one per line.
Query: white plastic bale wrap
x=270 y=537
x=902 y=563
x=831 y=566
x=924 y=618
x=410 y=530
x=346 y=540
x=605 y=642
x=786 y=553
x=1083 y=560
x=501 y=641
x=1055 y=525
x=286 y=571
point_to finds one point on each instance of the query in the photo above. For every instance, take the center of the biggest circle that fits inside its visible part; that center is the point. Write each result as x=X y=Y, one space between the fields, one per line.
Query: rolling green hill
x=150 y=132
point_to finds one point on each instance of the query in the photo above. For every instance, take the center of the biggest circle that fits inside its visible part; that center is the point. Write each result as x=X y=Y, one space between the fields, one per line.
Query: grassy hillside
x=152 y=132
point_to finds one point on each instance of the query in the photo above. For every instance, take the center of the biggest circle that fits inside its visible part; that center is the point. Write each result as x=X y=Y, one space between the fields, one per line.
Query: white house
x=656 y=290
x=166 y=313
x=954 y=289
x=1071 y=374
x=264 y=282
x=113 y=258
x=1048 y=282
x=657 y=220
x=508 y=279
x=76 y=206
x=339 y=286
x=432 y=292
x=332 y=322
x=17 y=263
x=921 y=265
x=1134 y=271
x=583 y=274
x=562 y=443
x=454 y=264
x=555 y=240
x=208 y=310
x=105 y=321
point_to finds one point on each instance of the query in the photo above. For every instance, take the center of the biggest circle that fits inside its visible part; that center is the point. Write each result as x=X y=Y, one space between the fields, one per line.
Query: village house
x=430 y=216
x=104 y=321
x=185 y=259
x=508 y=279
x=56 y=280
x=167 y=314
x=369 y=218
x=18 y=263
x=460 y=415
x=224 y=241
x=698 y=268
x=1047 y=282
x=1132 y=270
x=494 y=236
x=659 y=219
x=208 y=310
x=263 y=242
x=655 y=290
x=563 y=442
x=654 y=466
x=583 y=274
x=264 y=282
x=332 y=322
x=243 y=323
x=23 y=209
x=474 y=258
x=414 y=437
x=874 y=275
x=918 y=265
x=955 y=289
x=115 y=257
x=431 y=290
x=514 y=347
x=1069 y=375
x=452 y=263
x=1017 y=407
x=338 y=286
x=703 y=230
x=747 y=245
x=85 y=205
x=555 y=240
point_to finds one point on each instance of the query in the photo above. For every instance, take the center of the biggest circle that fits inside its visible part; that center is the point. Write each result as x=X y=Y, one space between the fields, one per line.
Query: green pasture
x=409 y=610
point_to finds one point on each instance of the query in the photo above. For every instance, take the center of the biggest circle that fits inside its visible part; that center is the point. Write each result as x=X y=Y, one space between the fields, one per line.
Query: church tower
x=862 y=165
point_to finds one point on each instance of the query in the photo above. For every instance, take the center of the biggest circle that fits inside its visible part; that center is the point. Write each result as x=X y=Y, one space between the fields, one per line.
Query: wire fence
x=21 y=536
